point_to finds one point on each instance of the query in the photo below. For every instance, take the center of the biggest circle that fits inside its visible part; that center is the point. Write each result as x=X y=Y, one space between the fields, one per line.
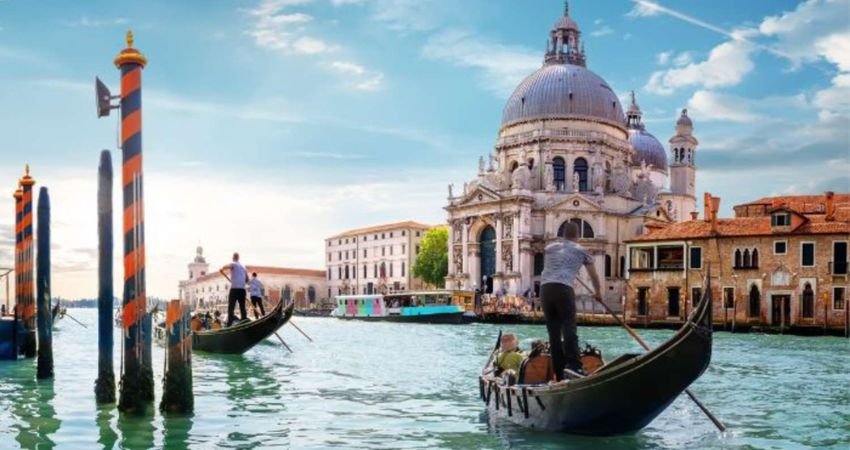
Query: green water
x=381 y=385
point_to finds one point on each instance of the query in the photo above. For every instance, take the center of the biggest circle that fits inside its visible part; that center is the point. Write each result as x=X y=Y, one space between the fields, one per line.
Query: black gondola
x=58 y=313
x=238 y=338
x=621 y=397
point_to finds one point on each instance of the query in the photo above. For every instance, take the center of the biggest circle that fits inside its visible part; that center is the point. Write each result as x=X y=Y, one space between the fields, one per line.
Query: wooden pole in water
x=27 y=262
x=177 y=396
x=137 y=379
x=16 y=310
x=104 y=386
x=45 y=312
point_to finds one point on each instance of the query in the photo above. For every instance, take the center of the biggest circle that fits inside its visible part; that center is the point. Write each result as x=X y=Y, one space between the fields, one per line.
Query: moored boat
x=619 y=397
x=58 y=313
x=240 y=337
x=434 y=307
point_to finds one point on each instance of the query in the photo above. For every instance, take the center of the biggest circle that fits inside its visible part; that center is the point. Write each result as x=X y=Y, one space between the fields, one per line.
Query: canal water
x=381 y=385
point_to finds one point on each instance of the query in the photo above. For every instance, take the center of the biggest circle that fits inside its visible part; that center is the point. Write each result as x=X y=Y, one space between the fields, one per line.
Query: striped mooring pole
x=104 y=386
x=27 y=260
x=137 y=377
x=16 y=312
x=42 y=278
x=177 y=396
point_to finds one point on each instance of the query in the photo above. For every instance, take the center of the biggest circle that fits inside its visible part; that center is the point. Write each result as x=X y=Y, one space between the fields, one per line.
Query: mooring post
x=137 y=380
x=19 y=246
x=45 y=312
x=104 y=387
x=147 y=358
x=27 y=262
x=177 y=396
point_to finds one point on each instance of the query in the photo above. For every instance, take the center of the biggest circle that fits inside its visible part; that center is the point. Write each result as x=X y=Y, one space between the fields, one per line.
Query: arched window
x=808 y=301
x=584 y=228
x=538 y=263
x=514 y=166
x=530 y=163
x=747 y=260
x=754 y=263
x=755 y=302
x=580 y=167
x=607 y=176
x=607 y=266
x=487 y=251
x=559 y=173
x=287 y=293
x=383 y=270
x=738 y=258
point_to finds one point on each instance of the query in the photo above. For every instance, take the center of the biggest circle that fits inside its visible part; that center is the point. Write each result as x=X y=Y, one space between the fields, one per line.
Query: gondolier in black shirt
x=238 y=278
x=561 y=263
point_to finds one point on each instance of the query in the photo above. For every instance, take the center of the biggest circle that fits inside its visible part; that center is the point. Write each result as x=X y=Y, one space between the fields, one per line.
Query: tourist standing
x=238 y=279
x=255 y=288
x=561 y=263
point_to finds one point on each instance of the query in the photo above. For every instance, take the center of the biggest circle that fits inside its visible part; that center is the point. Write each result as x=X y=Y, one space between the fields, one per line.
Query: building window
x=403 y=233
x=584 y=227
x=391 y=249
x=364 y=252
x=607 y=266
x=329 y=257
x=738 y=259
x=728 y=297
x=538 y=264
x=754 y=309
x=559 y=173
x=365 y=274
x=622 y=271
x=417 y=249
x=402 y=269
x=642 y=258
x=746 y=259
x=808 y=299
x=375 y=271
x=807 y=254
x=838 y=297
x=696 y=258
x=329 y=273
x=391 y=234
x=346 y=254
x=347 y=273
x=339 y=272
x=403 y=248
x=383 y=251
x=696 y=295
x=754 y=259
x=642 y=296
x=339 y=256
x=671 y=257
x=839 y=258
x=673 y=301
x=417 y=234
x=311 y=294
x=780 y=247
x=383 y=235
x=780 y=219
x=580 y=167
x=391 y=269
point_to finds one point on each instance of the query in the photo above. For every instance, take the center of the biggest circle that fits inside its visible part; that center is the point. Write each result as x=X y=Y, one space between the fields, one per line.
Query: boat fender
x=525 y=401
x=508 y=398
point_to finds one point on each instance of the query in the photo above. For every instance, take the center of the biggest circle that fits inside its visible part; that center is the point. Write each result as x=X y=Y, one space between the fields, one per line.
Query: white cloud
x=836 y=98
x=683 y=59
x=85 y=22
x=712 y=106
x=310 y=46
x=284 y=32
x=727 y=64
x=502 y=66
x=408 y=15
x=602 y=31
x=348 y=67
x=663 y=58
x=797 y=33
x=363 y=78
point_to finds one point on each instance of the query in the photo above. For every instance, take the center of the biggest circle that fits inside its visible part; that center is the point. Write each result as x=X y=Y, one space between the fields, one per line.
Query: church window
x=585 y=229
x=559 y=174
x=580 y=167
x=538 y=263
x=607 y=176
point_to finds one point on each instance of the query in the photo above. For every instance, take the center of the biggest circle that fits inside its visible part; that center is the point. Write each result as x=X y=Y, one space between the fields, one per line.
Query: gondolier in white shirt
x=255 y=289
x=238 y=279
x=561 y=263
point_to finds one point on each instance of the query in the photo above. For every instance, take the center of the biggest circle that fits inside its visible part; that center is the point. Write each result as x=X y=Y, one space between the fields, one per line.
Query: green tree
x=432 y=262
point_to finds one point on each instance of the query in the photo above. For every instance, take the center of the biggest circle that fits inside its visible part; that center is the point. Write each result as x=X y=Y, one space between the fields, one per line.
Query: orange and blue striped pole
x=19 y=215
x=137 y=379
x=27 y=265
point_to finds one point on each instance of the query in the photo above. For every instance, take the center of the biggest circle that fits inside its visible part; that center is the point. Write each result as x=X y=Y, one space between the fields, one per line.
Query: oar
x=255 y=315
x=299 y=329
x=492 y=354
x=75 y=320
x=646 y=347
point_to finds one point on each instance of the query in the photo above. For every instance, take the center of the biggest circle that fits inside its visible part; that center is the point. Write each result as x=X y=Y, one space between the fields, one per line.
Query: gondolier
x=561 y=264
x=255 y=288
x=238 y=278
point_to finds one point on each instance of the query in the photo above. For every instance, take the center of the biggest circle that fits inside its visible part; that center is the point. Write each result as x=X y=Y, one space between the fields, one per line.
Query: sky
x=270 y=125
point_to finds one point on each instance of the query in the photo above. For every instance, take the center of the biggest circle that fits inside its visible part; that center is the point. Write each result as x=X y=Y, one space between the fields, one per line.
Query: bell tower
x=199 y=266
x=683 y=146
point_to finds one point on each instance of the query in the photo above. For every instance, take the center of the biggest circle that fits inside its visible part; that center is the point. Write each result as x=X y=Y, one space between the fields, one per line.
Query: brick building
x=780 y=263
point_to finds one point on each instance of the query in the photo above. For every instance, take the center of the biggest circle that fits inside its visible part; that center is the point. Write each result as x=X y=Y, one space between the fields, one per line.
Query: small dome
x=648 y=149
x=566 y=23
x=684 y=119
x=563 y=91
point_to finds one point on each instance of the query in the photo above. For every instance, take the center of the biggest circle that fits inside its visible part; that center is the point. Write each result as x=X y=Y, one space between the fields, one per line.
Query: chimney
x=715 y=206
x=706 y=204
x=694 y=215
x=830 y=206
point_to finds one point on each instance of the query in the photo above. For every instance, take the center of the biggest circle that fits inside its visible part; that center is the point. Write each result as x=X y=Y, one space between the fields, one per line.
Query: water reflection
x=30 y=404
x=107 y=436
x=176 y=431
x=137 y=431
x=252 y=392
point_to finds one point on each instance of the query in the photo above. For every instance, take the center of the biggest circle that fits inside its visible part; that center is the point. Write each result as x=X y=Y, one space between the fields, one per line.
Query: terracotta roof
x=740 y=226
x=379 y=228
x=266 y=270
x=806 y=204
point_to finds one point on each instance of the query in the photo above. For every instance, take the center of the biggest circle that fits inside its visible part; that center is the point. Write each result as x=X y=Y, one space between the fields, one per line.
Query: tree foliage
x=432 y=262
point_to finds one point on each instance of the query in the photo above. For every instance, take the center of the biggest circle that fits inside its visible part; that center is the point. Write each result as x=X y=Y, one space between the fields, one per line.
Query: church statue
x=490 y=166
x=549 y=180
x=451 y=187
x=480 y=165
x=576 y=181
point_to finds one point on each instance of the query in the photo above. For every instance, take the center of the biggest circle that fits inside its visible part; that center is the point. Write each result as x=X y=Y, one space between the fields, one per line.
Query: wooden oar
x=299 y=329
x=646 y=347
x=255 y=315
x=75 y=320
x=493 y=353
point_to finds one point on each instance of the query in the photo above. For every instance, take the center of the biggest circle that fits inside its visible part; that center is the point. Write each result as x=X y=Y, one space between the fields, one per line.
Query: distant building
x=204 y=287
x=566 y=152
x=780 y=262
x=376 y=259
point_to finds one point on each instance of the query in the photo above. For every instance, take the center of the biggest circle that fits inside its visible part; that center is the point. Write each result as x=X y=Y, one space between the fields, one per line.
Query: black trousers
x=235 y=295
x=559 y=307
x=258 y=304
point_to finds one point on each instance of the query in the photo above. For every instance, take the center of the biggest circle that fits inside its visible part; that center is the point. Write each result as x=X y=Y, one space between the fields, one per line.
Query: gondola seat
x=536 y=370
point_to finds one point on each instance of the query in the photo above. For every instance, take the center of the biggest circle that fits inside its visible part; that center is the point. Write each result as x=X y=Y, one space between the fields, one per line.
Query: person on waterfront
x=237 y=294
x=509 y=357
x=255 y=287
x=561 y=264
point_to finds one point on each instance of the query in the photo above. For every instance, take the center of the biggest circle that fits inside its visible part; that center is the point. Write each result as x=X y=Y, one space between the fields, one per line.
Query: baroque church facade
x=566 y=152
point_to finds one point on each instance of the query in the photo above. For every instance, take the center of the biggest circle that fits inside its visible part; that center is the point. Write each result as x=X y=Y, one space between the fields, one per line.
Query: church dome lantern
x=647 y=149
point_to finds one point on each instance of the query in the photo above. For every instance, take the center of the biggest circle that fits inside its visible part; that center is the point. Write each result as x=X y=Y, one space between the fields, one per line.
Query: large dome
x=648 y=149
x=563 y=91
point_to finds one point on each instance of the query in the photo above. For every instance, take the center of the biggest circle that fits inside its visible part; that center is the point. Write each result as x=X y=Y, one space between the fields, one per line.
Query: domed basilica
x=566 y=152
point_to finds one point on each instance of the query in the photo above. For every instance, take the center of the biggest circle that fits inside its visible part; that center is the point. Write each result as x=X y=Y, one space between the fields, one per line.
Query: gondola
x=57 y=313
x=620 y=397
x=238 y=338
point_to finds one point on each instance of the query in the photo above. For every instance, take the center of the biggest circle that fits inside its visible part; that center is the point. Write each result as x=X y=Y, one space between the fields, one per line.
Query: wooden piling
x=16 y=310
x=177 y=396
x=104 y=387
x=44 y=310
x=27 y=260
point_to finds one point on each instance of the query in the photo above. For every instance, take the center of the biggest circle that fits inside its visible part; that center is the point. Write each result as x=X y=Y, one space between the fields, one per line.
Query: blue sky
x=269 y=125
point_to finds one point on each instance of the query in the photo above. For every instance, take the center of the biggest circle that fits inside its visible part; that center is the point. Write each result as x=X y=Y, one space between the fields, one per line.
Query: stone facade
x=781 y=262
x=376 y=259
x=204 y=288
x=565 y=152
